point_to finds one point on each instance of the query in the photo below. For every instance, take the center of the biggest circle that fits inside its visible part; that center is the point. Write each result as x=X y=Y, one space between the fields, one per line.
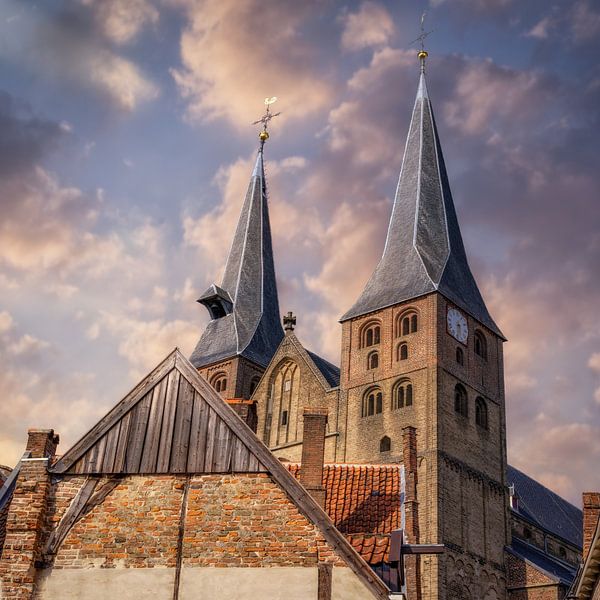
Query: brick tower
x=245 y=328
x=420 y=349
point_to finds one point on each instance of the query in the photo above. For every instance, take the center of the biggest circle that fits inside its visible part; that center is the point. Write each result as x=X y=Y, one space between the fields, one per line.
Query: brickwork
x=313 y=452
x=25 y=522
x=525 y=582
x=245 y=410
x=242 y=376
x=591 y=513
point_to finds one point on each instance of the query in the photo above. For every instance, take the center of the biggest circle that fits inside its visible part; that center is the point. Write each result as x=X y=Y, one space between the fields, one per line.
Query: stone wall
x=527 y=583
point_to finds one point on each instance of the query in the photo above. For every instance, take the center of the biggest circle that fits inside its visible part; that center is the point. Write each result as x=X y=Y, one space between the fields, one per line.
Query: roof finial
x=289 y=322
x=263 y=136
x=422 y=54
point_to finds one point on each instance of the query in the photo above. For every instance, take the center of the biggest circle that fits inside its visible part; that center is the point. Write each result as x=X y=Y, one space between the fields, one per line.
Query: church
x=258 y=467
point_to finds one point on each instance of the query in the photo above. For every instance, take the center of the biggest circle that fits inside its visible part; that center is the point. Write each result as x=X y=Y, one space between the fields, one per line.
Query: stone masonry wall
x=527 y=583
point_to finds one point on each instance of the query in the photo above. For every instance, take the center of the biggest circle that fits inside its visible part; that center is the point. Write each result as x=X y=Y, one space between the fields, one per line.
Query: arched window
x=460 y=356
x=370 y=335
x=480 y=345
x=562 y=552
x=402 y=394
x=254 y=384
x=527 y=533
x=461 y=402
x=408 y=323
x=481 y=413
x=372 y=403
x=402 y=351
x=219 y=382
x=385 y=444
x=373 y=360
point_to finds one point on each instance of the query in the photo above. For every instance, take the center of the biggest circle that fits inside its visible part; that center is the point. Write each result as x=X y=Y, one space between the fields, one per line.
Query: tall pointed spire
x=423 y=251
x=244 y=309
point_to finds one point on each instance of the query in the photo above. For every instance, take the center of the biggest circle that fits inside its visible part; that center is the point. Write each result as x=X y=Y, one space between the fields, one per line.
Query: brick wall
x=591 y=513
x=525 y=582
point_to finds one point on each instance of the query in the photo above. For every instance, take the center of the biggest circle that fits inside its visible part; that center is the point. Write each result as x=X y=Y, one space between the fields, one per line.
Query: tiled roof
x=555 y=568
x=375 y=549
x=545 y=508
x=362 y=498
x=328 y=370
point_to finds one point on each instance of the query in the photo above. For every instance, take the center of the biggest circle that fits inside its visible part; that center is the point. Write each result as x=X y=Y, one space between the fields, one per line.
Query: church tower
x=245 y=328
x=420 y=349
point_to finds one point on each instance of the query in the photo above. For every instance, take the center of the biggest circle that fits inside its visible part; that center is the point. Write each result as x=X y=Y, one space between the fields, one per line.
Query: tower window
x=284 y=417
x=219 y=382
x=402 y=395
x=408 y=323
x=403 y=351
x=460 y=356
x=481 y=413
x=372 y=403
x=254 y=384
x=385 y=444
x=461 y=402
x=370 y=335
x=562 y=552
x=373 y=360
x=527 y=533
x=480 y=345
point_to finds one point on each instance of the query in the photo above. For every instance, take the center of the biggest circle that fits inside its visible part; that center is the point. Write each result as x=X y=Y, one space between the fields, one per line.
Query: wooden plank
x=210 y=440
x=112 y=437
x=137 y=434
x=241 y=457
x=122 y=408
x=121 y=452
x=70 y=517
x=100 y=447
x=222 y=455
x=198 y=435
x=181 y=431
x=168 y=423
x=152 y=443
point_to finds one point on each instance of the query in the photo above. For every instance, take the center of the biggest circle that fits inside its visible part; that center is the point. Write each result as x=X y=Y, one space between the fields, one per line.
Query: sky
x=126 y=145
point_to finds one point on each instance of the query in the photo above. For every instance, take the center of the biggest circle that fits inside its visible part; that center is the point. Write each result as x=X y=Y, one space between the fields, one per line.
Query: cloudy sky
x=126 y=145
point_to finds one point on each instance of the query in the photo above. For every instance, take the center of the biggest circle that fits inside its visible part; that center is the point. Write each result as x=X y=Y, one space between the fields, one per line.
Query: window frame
x=461 y=401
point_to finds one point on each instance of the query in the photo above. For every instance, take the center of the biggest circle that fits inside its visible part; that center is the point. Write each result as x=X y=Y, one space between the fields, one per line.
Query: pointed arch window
x=254 y=384
x=481 y=413
x=370 y=335
x=385 y=444
x=373 y=360
x=402 y=351
x=461 y=401
x=460 y=356
x=480 y=345
x=407 y=323
x=402 y=394
x=219 y=382
x=372 y=403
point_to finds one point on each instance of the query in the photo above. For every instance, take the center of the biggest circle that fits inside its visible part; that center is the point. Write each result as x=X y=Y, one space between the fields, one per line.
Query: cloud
x=65 y=45
x=123 y=20
x=585 y=21
x=234 y=55
x=594 y=362
x=6 y=321
x=370 y=26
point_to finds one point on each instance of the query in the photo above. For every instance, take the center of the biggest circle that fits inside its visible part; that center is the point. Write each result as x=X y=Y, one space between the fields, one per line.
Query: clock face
x=457 y=325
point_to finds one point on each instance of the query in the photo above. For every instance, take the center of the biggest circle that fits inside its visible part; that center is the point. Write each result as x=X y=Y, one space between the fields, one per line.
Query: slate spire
x=423 y=251
x=244 y=309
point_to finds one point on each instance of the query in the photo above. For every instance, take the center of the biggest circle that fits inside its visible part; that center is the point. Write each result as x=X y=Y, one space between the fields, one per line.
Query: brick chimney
x=411 y=511
x=313 y=452
x=24 y=526
x=591 y=513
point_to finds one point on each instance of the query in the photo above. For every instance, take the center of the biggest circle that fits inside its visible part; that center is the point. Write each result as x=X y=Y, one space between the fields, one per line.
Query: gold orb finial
x=423 y=54
x=263 y=136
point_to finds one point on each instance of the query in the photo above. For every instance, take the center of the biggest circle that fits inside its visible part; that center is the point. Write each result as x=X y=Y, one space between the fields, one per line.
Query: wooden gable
x=169 y=423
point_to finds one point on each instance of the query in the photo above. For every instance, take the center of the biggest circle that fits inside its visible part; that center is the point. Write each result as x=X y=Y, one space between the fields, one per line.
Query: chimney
x=412 y=567
x=313 y=452
x=26 y=515
x=591 y=512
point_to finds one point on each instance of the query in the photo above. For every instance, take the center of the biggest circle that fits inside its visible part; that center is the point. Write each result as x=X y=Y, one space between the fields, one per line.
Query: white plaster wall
x=345 y=585
x=274 y=583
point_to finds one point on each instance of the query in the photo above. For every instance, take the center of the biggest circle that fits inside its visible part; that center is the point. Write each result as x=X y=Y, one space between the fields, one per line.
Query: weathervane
x=423 y=54
x=264 y=134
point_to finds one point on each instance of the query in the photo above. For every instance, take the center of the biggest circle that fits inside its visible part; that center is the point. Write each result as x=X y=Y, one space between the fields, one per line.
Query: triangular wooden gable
x=169 y=423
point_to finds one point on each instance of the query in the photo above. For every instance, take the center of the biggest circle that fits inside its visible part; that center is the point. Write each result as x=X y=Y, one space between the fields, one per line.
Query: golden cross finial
x=264 y=134
x=422 y=54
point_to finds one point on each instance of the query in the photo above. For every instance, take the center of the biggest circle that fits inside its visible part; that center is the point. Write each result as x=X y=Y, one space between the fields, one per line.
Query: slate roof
x=553 y=567
x=365 y=503
x=252 y=328
x=328 y=370
x=546 y=509
x=423 y=251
